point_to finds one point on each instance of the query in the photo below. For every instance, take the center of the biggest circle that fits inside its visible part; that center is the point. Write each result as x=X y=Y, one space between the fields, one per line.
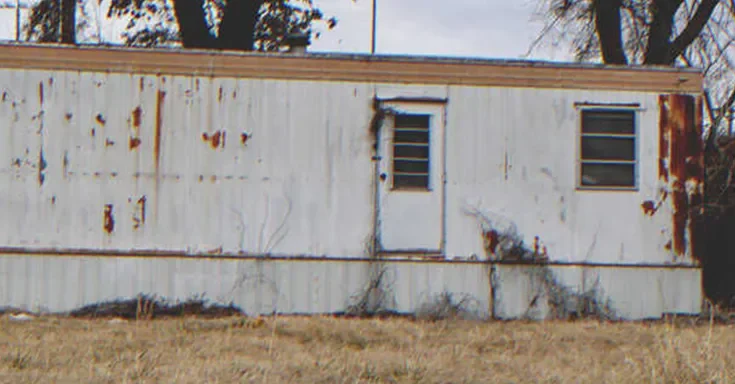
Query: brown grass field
x=333 y=350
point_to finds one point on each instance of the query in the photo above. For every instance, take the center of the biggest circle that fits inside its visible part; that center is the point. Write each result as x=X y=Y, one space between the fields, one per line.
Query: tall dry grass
x=330 y=350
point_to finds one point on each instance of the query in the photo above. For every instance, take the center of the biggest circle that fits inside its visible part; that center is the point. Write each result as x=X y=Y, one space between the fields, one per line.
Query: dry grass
x=330 y=350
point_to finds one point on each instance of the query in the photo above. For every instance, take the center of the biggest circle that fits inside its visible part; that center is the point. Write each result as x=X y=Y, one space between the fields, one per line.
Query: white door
x=411 y=178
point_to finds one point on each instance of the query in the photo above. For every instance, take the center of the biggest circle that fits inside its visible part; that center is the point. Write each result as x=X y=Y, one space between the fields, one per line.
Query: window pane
x=412 y=151
x=411 y=166
x=411 y=136
x=404 y=120
x=608 y=148
x=608 y=175
x=410 y=181
x=608 y=121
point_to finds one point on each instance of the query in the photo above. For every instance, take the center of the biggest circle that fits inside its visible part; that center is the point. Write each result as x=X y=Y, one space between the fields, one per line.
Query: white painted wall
x=537 y=130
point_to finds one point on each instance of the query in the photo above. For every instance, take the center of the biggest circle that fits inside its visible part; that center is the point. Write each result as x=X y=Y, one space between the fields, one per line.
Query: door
x=411 y=178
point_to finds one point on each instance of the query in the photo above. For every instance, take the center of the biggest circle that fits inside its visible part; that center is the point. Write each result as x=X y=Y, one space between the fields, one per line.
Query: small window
x=411 y=151
x=608 y=148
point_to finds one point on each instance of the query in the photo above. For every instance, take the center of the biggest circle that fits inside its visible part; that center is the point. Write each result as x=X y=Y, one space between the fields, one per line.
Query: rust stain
x=216 y=140
x=142 y=84
x=53 y=200
x=134 y=143
x=40 y=93
x=68 y=116
x=159 y=122
x=137 y=115
x=491 y=240
x=667 y=246
x=244 y=138
x=109 y=219
x=681 y=124
x=139 y=216
x=92 y=132
x=109 y=143
x=100 y=119
x=221 y=91
x=234 y=94
x=649 y=207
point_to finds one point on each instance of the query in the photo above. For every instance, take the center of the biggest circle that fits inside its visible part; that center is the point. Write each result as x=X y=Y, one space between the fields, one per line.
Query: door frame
x=384 y=109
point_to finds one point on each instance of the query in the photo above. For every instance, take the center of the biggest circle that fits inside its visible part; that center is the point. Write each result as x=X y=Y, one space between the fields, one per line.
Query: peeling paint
x=244 y=138
x=100 y=119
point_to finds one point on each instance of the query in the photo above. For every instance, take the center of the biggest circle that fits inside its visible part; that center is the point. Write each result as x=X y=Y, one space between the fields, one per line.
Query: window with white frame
x=411 y=146
x=608 y=148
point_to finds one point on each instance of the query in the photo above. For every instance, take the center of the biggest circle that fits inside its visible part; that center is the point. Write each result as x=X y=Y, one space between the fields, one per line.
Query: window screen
x=608 y=152
x=411 y=151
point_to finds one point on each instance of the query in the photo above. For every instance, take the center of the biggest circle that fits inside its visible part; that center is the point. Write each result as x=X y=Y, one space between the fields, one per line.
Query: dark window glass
x=608 y=175
x=608 y=121
x=608 y=148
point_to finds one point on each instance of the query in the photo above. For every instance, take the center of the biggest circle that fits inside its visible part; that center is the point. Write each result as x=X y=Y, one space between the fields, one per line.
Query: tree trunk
x=68 y=22
x=609 y=31
x=237 y=29
x=192 y=24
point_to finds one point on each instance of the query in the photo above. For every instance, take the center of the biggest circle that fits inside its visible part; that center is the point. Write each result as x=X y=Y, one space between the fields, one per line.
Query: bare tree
x=696 y=33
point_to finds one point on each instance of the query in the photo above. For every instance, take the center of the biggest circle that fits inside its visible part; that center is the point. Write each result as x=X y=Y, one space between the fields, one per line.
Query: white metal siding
x=512 y=155
x=302 y=183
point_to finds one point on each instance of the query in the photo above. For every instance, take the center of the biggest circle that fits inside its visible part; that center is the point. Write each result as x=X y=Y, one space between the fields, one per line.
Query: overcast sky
x=475 y=28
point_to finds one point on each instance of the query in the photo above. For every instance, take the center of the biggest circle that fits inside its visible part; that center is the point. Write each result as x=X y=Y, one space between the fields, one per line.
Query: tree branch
x=193 y=24
x=237 y=29
x=694 y=27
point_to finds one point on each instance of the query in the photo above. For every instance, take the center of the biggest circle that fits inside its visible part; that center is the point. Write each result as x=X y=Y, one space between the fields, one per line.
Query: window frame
x=635 y=108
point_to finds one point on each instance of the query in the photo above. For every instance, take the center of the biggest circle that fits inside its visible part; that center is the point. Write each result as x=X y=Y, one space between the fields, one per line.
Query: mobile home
x=289 y=182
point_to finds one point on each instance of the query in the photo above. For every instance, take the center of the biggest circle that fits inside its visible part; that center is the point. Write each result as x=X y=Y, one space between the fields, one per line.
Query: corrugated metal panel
x=313 y=287
x=258 y=287
x=631 y=293
x=167 y=158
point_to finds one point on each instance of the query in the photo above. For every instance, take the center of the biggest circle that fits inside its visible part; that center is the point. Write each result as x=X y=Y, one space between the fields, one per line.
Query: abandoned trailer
x=325 y=183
